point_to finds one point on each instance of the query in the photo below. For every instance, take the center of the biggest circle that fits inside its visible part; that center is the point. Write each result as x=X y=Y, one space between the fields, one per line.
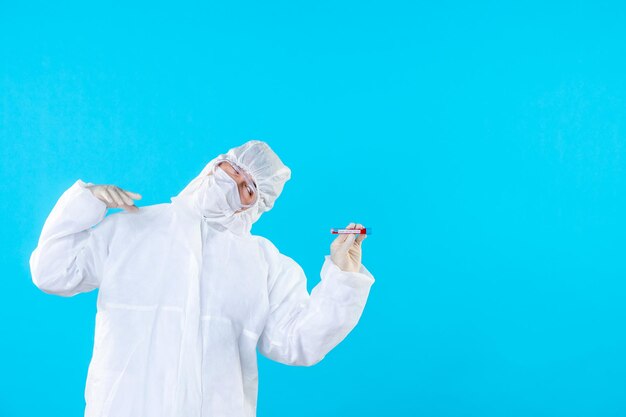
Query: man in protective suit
x=187 y=294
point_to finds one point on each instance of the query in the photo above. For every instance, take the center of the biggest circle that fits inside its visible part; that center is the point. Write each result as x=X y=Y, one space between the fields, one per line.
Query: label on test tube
x=343 y=231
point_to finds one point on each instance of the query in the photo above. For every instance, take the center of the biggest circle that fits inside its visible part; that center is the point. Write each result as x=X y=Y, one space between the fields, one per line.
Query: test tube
x=344 y=231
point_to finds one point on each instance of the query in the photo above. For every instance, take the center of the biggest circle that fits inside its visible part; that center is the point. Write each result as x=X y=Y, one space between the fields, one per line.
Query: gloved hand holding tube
x=345 y=251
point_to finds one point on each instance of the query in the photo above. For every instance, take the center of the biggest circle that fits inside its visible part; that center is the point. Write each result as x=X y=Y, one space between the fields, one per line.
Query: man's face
x=247 y=193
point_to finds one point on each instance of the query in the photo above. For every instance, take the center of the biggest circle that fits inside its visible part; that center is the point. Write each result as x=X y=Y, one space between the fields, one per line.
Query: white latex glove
x=114 y=197
x=345 y=251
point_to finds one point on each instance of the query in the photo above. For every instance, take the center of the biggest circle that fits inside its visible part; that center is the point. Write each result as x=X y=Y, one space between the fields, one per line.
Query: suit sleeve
x=301 y=327
x=70 y=253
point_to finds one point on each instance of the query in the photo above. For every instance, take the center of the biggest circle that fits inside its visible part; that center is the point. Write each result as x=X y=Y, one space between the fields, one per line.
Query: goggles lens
x=249 y=185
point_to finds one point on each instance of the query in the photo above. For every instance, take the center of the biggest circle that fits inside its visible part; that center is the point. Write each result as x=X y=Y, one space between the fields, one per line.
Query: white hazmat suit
x=185 y=300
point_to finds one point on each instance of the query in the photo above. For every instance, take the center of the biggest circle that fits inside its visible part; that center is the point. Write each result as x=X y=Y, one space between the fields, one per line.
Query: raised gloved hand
x=345 y=251
x=114 y=197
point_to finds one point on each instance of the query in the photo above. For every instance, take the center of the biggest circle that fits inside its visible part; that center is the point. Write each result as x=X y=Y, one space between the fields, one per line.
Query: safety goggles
x=250 y=184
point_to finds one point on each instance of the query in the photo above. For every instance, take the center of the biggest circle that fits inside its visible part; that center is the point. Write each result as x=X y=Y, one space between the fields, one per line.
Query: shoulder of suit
x=265 y=245
x=146 y=216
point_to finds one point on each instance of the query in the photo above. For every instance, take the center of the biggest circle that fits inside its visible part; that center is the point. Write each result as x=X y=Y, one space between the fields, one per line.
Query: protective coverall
x=184 y=300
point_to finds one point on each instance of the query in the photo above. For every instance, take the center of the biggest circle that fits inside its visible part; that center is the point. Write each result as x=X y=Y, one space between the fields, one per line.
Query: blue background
x=484 y=143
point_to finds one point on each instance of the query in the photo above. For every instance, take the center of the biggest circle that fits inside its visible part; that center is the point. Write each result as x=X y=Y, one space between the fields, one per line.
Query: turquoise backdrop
x=485 y=143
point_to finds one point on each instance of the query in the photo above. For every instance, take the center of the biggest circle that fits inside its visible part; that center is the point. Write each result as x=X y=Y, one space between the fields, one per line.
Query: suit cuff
x=85 y=207
x=359 y=279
